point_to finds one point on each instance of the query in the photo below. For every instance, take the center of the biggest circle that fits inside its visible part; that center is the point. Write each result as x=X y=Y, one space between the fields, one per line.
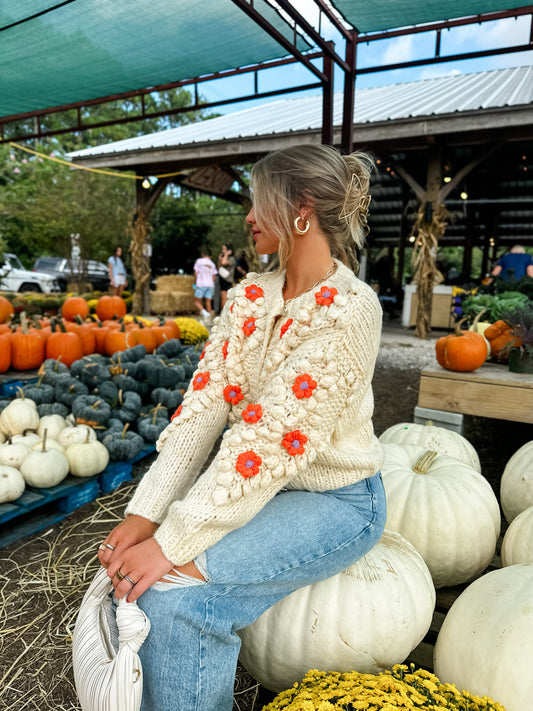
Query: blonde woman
x=293 y=494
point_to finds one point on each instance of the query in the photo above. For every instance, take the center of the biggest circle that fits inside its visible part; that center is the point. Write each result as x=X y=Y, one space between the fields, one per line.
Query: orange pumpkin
x=461 y=351
x=118 y=341
x=144 y=336
x=100 y=334
x=5 y=352
x=75 y=306
x=6 y=309
x=165 y=331
x=64 y=345
x=27 y=347
x=501 y=340
x=110 y=307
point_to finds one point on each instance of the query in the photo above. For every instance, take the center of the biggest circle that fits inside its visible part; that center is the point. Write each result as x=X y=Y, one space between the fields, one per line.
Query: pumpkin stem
x=20 y=392
x=458 y=327
x=123 y=436
x=44 y=440
x=476 y=320
x=424 y=462
x=23 y=322
x=98 y=402
x=429 y=423
x=156 y=410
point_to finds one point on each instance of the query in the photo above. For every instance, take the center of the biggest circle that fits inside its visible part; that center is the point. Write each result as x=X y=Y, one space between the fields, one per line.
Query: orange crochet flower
x=231 y=308
x=248 y=464
x=326 y=295
x=304 y=386
x=253 y=413
x=249 y=326
x=200 y=381
x=177 y=413
x=225 y=349
x=253 y=292
x=294 y=442
x=203 y=352
x=233 y=394
x=285 y=327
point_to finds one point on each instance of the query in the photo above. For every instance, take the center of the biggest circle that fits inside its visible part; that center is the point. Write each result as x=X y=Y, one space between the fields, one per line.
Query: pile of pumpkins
x=467 y=350
x=443 y=524
x=76 y=334
x=117 y=405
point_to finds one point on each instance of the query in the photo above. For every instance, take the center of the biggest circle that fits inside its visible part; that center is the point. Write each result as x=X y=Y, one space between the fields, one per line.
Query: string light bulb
x=146 y=183
x=447 y=179
x=464 y=195
x=412 y=238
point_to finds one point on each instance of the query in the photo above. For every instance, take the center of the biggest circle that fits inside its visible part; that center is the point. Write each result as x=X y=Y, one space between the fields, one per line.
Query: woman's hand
x=133 y=530
x=137 y=568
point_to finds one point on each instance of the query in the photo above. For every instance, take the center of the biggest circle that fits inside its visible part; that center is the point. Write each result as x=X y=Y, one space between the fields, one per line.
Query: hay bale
x=171 y=302
x=175 y=282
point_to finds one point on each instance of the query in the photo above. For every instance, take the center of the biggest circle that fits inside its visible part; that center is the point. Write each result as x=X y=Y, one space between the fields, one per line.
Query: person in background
x=293 y=493
x=242 y=267
x=117 y=272
x=204 y=278
x=514 y=265
x=226 y=271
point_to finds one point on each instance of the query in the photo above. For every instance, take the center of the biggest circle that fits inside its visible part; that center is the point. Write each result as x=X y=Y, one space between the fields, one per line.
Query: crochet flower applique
x=294 y=442
x=326 y=295
x=200 y=381
x=253 y=292
x=248 y=464
x=285 y=327
x=177 y=413
x=203 y=352
x=225 y=349
x=233 y=394
x=249 y=326
x=253 y=413
x=304 y=386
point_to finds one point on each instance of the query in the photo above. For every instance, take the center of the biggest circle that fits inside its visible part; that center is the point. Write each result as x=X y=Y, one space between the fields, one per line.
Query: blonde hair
x=335 y=185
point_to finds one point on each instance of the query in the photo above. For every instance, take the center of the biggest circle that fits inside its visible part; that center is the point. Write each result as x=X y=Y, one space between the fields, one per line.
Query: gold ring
x=119 y=575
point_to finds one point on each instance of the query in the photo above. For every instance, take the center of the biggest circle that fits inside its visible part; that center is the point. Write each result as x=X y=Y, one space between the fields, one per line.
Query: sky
x=495 y=34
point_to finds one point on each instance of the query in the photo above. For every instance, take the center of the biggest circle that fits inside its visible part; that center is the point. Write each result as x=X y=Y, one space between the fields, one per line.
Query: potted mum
x=520 y=321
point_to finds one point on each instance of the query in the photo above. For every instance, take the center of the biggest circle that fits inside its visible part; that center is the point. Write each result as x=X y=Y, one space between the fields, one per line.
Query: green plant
x=520 y=321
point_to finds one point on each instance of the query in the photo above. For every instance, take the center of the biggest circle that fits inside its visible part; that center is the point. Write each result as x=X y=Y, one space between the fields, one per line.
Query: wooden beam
x=468 y=168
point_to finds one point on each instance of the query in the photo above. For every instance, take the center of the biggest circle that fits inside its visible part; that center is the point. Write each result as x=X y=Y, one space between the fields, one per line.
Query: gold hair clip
x=361 y=209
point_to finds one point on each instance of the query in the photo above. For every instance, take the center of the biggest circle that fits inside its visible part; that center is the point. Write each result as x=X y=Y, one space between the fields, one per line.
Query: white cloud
x=400 y=50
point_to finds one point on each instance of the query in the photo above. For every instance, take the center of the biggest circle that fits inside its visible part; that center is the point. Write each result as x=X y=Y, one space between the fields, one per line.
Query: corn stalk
x=423 y=263
x=140 y=268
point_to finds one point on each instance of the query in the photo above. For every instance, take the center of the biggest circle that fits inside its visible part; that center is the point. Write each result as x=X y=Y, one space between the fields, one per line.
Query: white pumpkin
x=45 y=467
x=367 y=618
x=516 y=485
x=50 y=444
x=21 y=414
x=87 y=458
x=485 y=643
x=445 y=508
x=13 y=454
x=12 y=484
x=28 y=438
x=517 y=544
x=438 y=439
x=77 y=433
x=54 y=424
x=3 y=437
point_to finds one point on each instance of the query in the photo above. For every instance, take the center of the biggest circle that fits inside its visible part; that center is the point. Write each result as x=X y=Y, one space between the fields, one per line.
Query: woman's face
x=265 y=241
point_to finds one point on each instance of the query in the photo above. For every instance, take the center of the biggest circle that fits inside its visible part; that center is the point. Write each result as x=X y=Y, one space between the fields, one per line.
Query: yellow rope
x=115 y=173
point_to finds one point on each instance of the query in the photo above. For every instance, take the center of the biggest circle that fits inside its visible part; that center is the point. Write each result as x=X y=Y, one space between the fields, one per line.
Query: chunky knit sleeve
x=187 y=441
x=270 y=441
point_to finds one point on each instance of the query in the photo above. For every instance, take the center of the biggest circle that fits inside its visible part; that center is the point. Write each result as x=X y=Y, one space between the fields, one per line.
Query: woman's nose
x=250 y=217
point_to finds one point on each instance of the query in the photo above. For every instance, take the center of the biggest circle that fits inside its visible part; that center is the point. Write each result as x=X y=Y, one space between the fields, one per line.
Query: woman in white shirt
x=117 y=272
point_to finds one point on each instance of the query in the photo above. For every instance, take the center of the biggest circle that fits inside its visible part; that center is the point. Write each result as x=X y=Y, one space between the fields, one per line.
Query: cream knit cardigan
x=293 y=383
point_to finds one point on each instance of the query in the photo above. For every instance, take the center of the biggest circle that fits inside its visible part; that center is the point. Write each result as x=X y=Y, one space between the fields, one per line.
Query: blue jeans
x=300 y=537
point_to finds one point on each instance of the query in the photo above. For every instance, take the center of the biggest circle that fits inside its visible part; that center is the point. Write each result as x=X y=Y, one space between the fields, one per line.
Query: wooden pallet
x=37 y=508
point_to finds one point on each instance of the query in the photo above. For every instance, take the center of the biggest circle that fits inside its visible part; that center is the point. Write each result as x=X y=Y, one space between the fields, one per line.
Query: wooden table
x=490 y=391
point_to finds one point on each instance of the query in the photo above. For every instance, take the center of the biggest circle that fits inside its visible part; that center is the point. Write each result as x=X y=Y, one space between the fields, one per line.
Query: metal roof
x=450 y=95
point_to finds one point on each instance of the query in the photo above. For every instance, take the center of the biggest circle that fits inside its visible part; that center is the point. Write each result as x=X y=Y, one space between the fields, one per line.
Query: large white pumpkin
x=438 y=439
x=76 y=433
x=516 y=486
x=445 y=508
x=12 y=484
x=485 y=643
x=13 y=454
x=44 y=469
x=517 y=544
x=367 y=618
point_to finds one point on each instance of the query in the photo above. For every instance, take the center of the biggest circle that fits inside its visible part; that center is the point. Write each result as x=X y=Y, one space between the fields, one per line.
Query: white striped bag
x=107 y=668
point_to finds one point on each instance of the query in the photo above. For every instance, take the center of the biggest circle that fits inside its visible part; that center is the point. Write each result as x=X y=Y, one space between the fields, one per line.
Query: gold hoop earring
x=299 y=229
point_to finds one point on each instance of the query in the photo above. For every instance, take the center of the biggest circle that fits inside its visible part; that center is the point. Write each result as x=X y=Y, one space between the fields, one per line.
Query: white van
x=13 y=277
